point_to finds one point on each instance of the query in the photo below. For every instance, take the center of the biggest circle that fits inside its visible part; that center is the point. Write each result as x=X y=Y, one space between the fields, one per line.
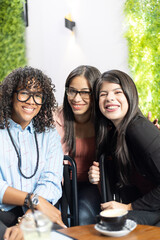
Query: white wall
x=97 y=39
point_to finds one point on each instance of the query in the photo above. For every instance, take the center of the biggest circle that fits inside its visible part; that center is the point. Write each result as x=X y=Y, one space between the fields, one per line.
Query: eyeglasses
x=24 y=95
x=71 y=92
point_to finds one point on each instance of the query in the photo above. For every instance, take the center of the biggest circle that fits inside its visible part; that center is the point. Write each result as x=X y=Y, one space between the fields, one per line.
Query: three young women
x=131 y=144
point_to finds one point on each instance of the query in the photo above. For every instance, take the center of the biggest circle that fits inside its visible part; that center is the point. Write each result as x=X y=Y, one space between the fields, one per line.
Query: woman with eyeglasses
x=131 y=146
x=31 y=156
x=75 y=124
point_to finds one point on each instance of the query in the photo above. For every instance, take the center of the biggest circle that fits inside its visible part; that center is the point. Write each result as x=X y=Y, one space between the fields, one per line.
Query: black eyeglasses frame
x=31 y=94
x=78 y=92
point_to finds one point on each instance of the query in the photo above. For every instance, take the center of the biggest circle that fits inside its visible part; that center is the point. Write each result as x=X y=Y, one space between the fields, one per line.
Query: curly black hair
x=28 y=77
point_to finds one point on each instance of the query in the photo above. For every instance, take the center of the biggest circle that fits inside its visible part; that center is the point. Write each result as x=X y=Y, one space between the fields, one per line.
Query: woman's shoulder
x=141 y=123
x=58 y=116
x=141 y=129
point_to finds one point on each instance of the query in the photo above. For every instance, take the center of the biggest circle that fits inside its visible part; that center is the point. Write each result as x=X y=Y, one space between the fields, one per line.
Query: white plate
x=129 y=226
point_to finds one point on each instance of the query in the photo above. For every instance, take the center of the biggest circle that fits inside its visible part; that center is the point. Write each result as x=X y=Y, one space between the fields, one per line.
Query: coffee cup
x=36 y=226
x=113 y=219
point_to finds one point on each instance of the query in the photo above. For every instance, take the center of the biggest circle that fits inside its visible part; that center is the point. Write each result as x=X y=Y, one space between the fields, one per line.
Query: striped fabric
x=47 y=181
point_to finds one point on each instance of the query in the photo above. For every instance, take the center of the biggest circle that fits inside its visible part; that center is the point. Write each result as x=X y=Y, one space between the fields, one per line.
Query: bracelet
x=26 y=200
x=21 y=218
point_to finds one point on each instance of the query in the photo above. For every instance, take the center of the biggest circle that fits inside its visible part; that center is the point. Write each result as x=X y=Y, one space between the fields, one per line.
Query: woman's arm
x=13 y=196
x=49 y=183
x=16 y=197
x=143 y=141
x=149 y=202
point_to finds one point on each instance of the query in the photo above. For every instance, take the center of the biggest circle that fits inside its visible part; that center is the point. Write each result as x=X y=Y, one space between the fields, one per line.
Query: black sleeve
x=143 y=140
x=150 y=201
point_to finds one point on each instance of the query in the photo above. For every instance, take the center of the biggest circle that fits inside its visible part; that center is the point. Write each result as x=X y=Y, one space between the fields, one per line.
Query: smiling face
x=81 y=107
x=24 y=112
x=112 y=102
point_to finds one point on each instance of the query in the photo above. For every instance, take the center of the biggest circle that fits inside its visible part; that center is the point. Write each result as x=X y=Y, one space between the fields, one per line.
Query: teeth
x=28 y=109
x=112 y=107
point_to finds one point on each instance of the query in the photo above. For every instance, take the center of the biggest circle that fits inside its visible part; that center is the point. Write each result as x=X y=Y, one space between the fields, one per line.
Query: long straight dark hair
x=106 y=131
x=90 y=73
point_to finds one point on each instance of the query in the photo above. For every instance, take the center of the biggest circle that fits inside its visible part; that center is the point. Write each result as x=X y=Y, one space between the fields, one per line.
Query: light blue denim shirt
x=47 y=180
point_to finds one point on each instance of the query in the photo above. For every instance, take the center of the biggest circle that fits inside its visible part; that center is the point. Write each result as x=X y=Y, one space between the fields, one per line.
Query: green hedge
x=143 y=36
x=12 y=36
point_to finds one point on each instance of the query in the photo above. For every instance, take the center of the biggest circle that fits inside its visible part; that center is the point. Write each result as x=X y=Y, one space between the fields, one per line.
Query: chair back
x=69 y=200
x=105 y=186
x=102 y=179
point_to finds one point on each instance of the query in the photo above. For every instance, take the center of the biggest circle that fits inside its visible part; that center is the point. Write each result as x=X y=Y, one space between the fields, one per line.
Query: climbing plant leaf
x=142 y=18
x=12 y=36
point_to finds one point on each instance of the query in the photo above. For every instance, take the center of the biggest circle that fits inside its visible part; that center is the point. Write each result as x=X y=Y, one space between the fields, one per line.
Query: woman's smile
x=112 y=102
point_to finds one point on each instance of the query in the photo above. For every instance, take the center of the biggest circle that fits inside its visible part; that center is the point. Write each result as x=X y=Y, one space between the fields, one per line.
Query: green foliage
x=143 y=36
x=12 y=36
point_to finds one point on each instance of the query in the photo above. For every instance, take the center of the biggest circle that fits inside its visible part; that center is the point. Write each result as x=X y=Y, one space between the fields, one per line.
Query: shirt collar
x=29 y=128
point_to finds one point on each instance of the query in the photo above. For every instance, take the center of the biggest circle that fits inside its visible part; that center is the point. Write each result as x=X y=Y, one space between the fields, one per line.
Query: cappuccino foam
x=113 y=212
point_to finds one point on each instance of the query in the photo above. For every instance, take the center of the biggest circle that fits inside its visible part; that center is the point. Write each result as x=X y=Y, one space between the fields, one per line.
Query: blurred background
x=108 y=34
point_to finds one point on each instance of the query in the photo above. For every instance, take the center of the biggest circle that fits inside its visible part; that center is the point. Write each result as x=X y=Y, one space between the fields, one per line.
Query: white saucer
x=129 y=226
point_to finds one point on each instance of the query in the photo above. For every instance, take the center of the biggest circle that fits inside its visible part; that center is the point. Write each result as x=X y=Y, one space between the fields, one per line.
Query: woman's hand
x=94 y=173
x=155 y=122
x=114 y=204
x=13 y=233
x=49 y=210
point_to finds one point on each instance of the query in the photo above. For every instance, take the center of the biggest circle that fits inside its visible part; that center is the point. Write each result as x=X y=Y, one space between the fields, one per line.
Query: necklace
x=19 y=158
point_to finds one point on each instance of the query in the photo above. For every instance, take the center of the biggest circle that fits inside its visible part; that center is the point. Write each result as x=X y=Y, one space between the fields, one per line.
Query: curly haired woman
x=30 y=151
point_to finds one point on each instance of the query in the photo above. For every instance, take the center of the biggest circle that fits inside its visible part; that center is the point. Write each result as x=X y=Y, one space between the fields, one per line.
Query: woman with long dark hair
x=75 y=123
x=131 y=145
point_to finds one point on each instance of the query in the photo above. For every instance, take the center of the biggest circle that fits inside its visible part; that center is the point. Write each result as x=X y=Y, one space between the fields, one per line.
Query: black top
x=143 y=141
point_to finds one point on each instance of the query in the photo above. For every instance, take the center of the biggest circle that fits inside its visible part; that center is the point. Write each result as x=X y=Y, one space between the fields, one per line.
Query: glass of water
x=36 y=226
